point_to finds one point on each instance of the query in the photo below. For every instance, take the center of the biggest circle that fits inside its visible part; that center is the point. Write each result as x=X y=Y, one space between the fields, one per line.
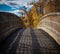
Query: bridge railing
x=8 y=23
x=51 y=24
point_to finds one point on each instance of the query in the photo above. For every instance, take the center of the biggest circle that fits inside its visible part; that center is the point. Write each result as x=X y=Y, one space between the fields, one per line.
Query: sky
x=15 y=6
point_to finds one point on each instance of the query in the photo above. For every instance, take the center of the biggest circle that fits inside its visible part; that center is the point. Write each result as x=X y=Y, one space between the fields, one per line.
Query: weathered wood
x=51 y=24
x=8 y=23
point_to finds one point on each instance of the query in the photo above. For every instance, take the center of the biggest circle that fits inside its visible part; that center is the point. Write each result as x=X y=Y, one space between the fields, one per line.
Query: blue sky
x=14 y=6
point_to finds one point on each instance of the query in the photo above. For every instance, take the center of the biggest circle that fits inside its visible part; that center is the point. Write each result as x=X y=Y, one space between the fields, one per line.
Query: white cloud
x=3 y=1
x=17 y=12
x=15 y=3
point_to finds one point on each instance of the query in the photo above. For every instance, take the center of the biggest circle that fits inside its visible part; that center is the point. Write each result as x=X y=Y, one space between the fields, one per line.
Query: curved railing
x=8 y=23
x=51 y=24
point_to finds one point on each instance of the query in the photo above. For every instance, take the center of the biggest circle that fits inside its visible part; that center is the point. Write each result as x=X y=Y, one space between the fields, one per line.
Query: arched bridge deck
x=24 y=41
